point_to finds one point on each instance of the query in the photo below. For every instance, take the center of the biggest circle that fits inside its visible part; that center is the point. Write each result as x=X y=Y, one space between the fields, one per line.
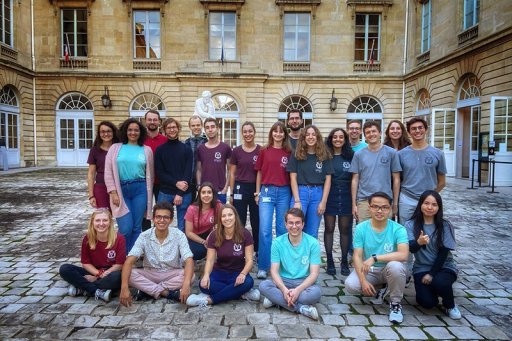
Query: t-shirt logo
x=141 y=157
x=284 y=161
x=237 y=249
x=305 y=260
x=346 y=165
x=111 y=256
x=255 y=158
x=212 y=219
x=218 y=155
x=384 y=160
x=429 y=160
x=388 y=247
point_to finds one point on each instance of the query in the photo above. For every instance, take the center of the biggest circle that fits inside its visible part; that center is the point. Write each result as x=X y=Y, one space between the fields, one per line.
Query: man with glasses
x=381 y=247
x=294 y=122
x=173 y=166
x=354 y=135
x=295 y=259
x=423 y=168
x=165 y=251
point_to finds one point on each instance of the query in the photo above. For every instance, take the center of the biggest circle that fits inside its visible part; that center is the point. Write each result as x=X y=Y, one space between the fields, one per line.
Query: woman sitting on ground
x=228 y=263
x=103 y=254
x=432 y=239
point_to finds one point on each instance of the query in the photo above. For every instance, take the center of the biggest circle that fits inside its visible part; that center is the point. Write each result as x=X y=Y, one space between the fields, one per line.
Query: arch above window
x=74 y=101
x=365 y=105
x=224 y=103
x=469 y=92
x=296 y=102
x=423 y=104
x=147 y=101
x=8 y=96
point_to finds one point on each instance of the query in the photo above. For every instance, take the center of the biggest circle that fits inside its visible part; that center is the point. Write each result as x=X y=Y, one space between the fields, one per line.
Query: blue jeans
x=74 y=275
x=180 y=209
x=222 y=197
x=310 y=197
x=427 y=296
x=272 y=198
x=222 y=286
x=135 y=197
x=246 y=190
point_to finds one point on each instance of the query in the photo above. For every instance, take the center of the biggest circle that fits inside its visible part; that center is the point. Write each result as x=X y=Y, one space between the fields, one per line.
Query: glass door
x=443 y=134
x=74 y=140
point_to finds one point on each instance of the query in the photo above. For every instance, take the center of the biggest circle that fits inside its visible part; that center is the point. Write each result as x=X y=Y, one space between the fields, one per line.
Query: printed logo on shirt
x=218 y=157
x=429 y=160
x=305 y=260
x=141 y=157
x=346 y=165
x=319 y=166
x=212 y=219
x=237 y=249
x=284 y=161
x=254 y=159
x=388 y=247
x=384 y=160
x=111 y=256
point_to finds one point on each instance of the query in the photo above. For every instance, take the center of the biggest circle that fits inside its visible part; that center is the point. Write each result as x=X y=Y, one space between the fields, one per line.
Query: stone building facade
x=372 y=59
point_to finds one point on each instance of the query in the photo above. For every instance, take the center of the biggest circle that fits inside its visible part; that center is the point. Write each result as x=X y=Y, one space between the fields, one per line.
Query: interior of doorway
x=463 y=143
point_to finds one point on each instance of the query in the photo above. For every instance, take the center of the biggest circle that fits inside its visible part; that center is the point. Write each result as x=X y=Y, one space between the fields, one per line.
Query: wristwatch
x=374 y=256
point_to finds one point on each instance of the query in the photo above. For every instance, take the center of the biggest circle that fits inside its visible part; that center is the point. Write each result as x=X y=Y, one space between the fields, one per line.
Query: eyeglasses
x=354 y=128
x=380 y=208
x=291 y=223
x=163 y=217
x=420 y=128
x=105 y=132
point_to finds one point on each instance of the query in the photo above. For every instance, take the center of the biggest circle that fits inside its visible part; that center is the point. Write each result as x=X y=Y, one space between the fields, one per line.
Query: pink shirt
x=272 y=164
x=205 y=222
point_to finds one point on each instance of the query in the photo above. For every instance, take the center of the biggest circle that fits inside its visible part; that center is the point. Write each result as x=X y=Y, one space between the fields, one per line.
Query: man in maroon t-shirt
x=212 y=159
x=153 y=140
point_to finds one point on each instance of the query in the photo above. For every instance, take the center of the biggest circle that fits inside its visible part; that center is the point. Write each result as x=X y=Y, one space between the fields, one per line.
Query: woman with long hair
x=432 y=240
x=272 y=191
x=106 y=135
x=310 y=177
x=339 y=201
x=201 y=218
x=129 y=179
x=243 y=179
x=102 y=257
x=396 y=135
x=228 y=263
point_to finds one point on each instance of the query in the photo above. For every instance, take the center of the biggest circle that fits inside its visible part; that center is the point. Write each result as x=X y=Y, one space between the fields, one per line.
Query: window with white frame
x=297 y=37
x=9 y=118
x=74 y=31
x=367 y=39
x=146 y=34
x=471 y=10
x=502 y=124
x=296 y=102
x=227 y=116
x=222 y=36
x=144 y=102
x=365 y=108
x=6 y=22
x=425 y=25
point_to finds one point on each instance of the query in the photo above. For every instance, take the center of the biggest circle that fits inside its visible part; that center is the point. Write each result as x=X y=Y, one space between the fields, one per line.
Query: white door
x=9 y=131
x=475 y=135
x=501 y=134
x=443 y=135
x=74 y=138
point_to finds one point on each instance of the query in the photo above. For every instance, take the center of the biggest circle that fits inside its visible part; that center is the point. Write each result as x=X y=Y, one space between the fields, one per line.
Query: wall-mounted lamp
x=105 y=99
x=334 y=102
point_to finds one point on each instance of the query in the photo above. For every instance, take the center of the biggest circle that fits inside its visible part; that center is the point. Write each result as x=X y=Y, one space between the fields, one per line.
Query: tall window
x=296 y=37
x=9 y=117
x=425 y=26
x=367 y=44
x=6 y=22
x=502 y=127
x=146 y=28
x=74 y=32
x=227 y=115
x=222 y=36
x=471 y=10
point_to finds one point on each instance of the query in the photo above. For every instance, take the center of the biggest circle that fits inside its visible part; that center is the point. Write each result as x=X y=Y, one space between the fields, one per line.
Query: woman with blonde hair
x=102 y=257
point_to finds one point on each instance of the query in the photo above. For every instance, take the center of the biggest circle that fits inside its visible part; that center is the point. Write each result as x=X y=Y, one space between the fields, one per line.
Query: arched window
x=365 y=108
x=423 y=104
x=144 y=102
x=469 y=92
x=74 y=101
x=296 y=102
x=227 y=115
x=8 y=97
x=9 y=124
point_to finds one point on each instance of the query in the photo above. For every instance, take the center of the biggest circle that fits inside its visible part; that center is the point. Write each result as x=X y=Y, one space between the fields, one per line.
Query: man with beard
x=195 y=124
x=153 y=140
x=294 y=123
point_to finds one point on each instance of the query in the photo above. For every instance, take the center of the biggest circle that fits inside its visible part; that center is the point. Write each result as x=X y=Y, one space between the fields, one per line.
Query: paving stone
x=203 y=331
x=258 y=318
x=113 y=334
x=363 y=309
x=233 y=319
x=109 y=321
x=11 y=308
x=158 y=318
x=334 y=320
x=86 y=321
x=356 y=320
x=355 y=332
x=382 y=333
x=464 y=333
x=285 y=317
x=323 y=332
x=242 y=331
x=56 y=291
x=339 y=308
x=39 y=319
x=266 y=332
x=30 y=299
x=380 y=320
x=81 y=309
x=87 y=333
x=62 y=320
x=291 y=330
x=492 y=333
x=438 y=333
x=134 y=319
x=478 y=321
x=411 y=333
x=9 y=331
x=191 y=317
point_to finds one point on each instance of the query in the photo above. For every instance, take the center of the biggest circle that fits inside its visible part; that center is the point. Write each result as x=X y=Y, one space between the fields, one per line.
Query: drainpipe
x=404 y=61
x=34 y=108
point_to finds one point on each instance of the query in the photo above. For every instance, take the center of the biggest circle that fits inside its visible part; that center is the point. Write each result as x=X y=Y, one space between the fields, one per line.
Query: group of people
x=291 y=182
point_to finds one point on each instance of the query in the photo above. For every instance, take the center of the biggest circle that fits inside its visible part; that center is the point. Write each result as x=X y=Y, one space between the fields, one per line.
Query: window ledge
x=147 y=64
x=366 y=67
x=74 y=63
x=296 y=66
x=469 y=34
x=298 y=6
x=146 y=4
x=8 y=52
x=423 y=58
x=222 y=5
x=370 y=6
x=70 y=3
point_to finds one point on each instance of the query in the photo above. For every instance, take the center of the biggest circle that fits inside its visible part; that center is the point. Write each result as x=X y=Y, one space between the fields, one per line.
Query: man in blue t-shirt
x=381 y=247
x=295 y=259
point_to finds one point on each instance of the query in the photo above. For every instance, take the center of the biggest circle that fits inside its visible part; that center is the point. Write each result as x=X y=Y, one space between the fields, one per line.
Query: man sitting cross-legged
x=380 y=250
x=295 y=265
x=165 y=249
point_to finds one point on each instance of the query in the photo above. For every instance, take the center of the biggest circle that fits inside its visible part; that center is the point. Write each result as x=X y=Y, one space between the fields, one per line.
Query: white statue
x=204 y=106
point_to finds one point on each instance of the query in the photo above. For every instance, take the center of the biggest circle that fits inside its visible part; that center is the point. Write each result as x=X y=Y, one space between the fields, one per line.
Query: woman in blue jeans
x=272 y=191
x=432 y=240
x=228 y=263
x=129 y=180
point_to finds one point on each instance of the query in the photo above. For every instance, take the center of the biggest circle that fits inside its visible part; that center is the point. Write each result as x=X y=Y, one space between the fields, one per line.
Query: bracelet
x=100 y=272
x=256 y=194
x=92 y=196
x=241 y=273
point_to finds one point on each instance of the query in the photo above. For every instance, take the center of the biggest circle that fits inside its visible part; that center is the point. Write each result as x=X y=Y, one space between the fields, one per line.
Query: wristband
x=92 y=196
x=100 y=272
x=374 y=256
x=256 y=194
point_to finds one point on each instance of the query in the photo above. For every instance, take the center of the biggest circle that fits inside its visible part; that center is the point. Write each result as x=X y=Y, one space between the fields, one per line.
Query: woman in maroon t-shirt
x=102 y=257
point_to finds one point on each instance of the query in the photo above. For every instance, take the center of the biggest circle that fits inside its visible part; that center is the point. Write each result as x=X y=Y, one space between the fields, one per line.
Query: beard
x=295 y=128
x=152 y=127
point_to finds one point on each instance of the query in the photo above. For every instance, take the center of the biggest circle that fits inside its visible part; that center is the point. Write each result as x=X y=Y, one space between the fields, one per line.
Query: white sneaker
x=197 y=300
x=309 y=311
x=74 y=291
x=262 y=274
x=252 y=295
x=395 y=313
x=379 y=297
x=267 y=303
x=454 y=313
x=102 y=295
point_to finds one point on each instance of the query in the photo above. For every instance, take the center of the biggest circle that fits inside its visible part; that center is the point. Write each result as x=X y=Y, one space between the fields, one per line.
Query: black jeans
x=427 y=296
x=247 y=190
x=74 y=275
x=146 y=224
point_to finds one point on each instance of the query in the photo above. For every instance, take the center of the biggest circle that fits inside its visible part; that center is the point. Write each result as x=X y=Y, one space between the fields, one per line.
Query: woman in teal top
x=129 y=180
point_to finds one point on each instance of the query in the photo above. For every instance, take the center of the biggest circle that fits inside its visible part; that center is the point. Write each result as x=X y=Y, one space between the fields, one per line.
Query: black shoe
x=142 y=296
x=331 y=268
x=345 y=270
x=174 y=295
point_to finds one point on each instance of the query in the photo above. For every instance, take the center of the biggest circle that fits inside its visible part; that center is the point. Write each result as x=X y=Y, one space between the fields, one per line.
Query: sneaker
x=267 y=303
x=102 y=295
x=142 y=296
x=174 y=295
x=408 y=281
x=453 y=313
x=74 y=291
x=331 y=269
x=379 y=297
x=197 y=300
x=262 y=274
x=395 y=313
x=345 y=270
x=309 y=311
x=252 y=295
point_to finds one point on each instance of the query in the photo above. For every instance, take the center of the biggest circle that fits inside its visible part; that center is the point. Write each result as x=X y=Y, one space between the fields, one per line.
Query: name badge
x=266 y=199
x=237 y=196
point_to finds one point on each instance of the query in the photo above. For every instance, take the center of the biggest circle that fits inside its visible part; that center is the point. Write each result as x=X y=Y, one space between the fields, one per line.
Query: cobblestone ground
x=43 y=216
